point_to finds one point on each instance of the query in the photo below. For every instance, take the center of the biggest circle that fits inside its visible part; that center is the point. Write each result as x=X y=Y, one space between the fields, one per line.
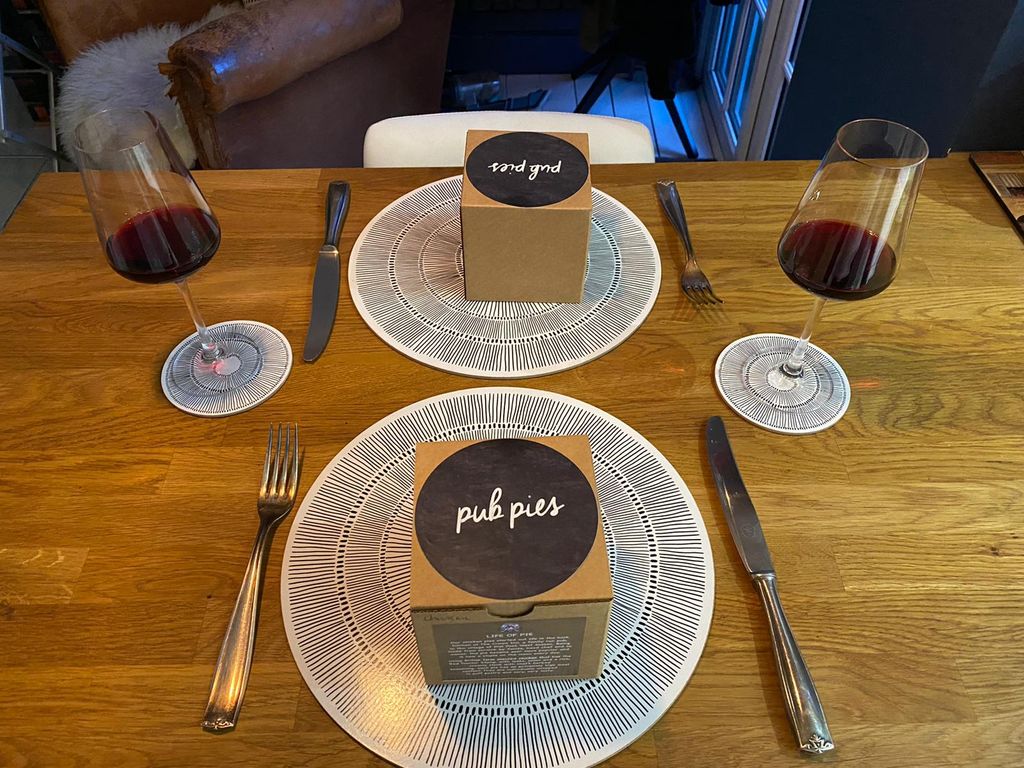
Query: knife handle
x=802 y=704
x=337 y=210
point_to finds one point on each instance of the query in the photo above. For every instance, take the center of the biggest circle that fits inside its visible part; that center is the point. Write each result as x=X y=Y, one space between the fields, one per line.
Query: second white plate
x=405 y=276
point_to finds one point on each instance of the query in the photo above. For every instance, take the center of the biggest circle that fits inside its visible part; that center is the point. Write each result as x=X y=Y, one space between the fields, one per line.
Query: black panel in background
x=516 y=42
x=996 y=118
x=918 y=62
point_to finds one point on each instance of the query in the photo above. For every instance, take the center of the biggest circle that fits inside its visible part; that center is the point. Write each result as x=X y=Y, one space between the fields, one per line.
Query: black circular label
x=506 y=519
x=527 y=169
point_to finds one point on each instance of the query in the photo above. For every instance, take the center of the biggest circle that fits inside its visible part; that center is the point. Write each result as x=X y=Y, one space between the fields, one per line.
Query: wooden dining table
x=898 y=534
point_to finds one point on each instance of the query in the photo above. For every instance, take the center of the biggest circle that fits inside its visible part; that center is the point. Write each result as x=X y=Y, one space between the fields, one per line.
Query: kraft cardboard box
x=526 y=205
x=510 y=577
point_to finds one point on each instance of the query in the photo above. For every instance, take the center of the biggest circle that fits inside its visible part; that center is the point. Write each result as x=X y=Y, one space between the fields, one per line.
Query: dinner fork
x=695 y=284
x=281 y=469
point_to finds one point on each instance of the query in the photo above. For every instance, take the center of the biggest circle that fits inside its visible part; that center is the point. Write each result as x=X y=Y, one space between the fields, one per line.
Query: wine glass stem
x=794 y=365
x=212 y=351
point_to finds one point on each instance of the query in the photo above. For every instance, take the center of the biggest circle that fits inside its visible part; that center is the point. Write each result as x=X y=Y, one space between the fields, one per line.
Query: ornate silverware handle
x=337 y=209
x=669 y=197
x=802 y=704
x=232 y=671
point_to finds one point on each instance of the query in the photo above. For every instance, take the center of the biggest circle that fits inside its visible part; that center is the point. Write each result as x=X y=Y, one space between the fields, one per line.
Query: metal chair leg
x=602 y=81
x=677 y=121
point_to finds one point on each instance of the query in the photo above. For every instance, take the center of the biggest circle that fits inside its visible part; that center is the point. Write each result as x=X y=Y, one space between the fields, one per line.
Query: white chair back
x=440 y=140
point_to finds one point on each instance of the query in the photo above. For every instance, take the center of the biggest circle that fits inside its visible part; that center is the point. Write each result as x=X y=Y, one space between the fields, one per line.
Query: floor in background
x=17 y=174
x=627 y=97
x=19 y=164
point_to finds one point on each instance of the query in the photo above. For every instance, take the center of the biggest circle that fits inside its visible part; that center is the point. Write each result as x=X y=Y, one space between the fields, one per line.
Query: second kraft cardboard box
x=510 y=576
x=526 y=206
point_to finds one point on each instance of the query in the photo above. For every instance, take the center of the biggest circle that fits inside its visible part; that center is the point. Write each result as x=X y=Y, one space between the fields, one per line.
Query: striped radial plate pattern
x=345 y=589
x=405 y=276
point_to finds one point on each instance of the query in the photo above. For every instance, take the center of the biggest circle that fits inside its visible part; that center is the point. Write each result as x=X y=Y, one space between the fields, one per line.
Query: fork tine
x=293 y=486
x=714 y=298
x=285 y=460
x=286 y=477
x=266 y=462
x=277 y=463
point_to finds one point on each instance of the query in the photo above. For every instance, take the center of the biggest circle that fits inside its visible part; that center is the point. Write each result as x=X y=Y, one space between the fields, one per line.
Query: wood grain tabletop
x=898 y=534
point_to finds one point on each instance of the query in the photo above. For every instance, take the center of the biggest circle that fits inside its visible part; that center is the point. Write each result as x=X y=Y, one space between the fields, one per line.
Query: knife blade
x=801 y=698
x=327 y=278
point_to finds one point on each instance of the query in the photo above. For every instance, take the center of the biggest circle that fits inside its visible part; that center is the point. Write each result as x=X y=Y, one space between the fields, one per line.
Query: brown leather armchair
x=283 y=83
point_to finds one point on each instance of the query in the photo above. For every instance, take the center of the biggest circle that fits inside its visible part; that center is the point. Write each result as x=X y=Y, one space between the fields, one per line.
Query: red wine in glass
x=164 y=244
x=837 y=259
x=843 y=242
x=155 y=226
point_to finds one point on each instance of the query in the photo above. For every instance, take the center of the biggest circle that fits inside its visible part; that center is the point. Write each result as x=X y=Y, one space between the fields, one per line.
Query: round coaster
x=345 y=595
x=818 y=401
x=258 y=358
x=405 y=276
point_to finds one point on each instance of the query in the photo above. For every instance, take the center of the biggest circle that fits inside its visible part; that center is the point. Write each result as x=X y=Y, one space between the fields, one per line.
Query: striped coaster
x=405 y=276
x=345 y=595
x=816 y=403
x=260 y=359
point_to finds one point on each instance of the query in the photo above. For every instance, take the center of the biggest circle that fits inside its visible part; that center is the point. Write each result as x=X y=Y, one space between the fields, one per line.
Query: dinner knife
x=327 y=277
x=802 y=703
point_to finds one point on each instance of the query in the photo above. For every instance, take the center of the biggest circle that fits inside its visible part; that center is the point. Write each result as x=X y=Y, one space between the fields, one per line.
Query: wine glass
x=843 y=242
x=156 y=227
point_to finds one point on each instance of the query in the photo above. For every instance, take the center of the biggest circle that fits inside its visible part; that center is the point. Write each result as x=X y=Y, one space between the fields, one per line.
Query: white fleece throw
x=123 y=72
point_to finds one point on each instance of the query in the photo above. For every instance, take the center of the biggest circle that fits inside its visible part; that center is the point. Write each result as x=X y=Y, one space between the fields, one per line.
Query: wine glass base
x=258 y=359
x=818 y=400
